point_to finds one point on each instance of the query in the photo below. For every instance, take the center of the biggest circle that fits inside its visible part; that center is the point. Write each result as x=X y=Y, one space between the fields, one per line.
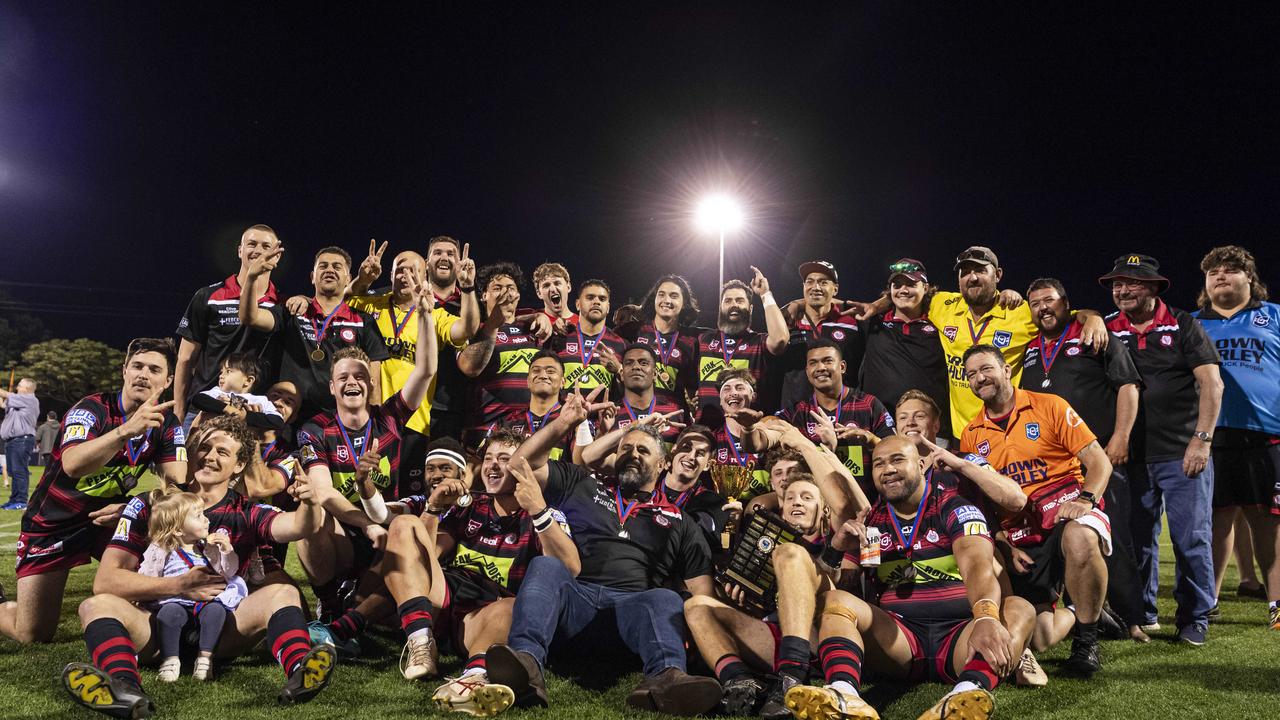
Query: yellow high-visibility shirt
x=403 y=347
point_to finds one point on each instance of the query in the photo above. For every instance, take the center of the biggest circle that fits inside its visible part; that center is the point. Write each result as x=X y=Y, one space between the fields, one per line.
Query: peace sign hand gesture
x=466 y=275
x=149 y=415
x=371 y=267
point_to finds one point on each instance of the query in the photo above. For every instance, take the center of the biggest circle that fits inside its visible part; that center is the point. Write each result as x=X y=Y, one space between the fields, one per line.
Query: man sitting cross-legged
x=119 y=631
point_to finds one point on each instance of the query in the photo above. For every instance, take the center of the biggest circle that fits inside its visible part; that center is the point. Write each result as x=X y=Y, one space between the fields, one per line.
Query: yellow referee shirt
x=1009 y=330
x=403 y=346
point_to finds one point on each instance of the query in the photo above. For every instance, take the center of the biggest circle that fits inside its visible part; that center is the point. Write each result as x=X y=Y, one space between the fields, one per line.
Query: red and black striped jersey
x=61 y=503
x=494 y=546
x=728 y=451
x=300 y=335
x=323 y=440
x=628 y=414
x=582 y=364
x=856 y=408
x=212 y=320
x=246 y=522
x=503 y=386
x=836 y=326
x=278 y=456
x=718 y=351
x=937 y=592
x=522 y=420
x=677 y=370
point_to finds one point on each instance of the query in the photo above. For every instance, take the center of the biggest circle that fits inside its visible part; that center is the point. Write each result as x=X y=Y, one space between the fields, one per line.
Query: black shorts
x=464 y=593
x=1245 y=467
x=1043 y=585
x=932 y=644
x=40 y=554
x=363 y=553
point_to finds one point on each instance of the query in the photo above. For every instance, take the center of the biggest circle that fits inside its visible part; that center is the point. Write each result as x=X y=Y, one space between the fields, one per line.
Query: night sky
x=138 y=140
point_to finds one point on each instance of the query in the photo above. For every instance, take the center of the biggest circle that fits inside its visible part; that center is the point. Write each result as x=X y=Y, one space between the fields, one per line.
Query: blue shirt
x=1248 y=344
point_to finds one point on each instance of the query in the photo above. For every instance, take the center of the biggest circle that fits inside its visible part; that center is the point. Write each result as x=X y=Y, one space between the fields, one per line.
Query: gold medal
x=664 y=376
x=317 y=355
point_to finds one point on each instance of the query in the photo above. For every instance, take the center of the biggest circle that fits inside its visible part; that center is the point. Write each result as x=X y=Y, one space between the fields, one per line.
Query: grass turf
x=1235 y=675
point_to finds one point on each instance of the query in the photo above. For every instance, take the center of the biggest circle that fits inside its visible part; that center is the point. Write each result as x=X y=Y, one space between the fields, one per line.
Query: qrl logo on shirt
x=1261 y=320
x=984 y=448
x=1002 y=338
x=1033 y=431
x=571 y=347
x=950 y=331
x=342 y=454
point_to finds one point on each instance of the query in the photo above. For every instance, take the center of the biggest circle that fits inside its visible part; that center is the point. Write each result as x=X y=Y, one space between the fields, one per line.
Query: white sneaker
x=1029 y=672
x=169 y=669
x=203 y=669
x=419 y=658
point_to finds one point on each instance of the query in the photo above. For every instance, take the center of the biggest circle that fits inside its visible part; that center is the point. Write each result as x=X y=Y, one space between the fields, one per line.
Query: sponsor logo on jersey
x=81 y=417
x=1033 y=431
x=977 y=527
x=1002 y=338
x=133 y=507
x=969 y=513
x=122 y=529
x=75 y=432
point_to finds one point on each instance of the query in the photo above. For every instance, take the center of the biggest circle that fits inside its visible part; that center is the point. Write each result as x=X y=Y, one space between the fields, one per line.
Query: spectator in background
x=19 y=432
x=46 y=434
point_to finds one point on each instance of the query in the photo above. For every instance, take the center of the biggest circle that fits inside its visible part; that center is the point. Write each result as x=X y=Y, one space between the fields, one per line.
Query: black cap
x=819 y=266
x=977 y=254
x=1135 y=266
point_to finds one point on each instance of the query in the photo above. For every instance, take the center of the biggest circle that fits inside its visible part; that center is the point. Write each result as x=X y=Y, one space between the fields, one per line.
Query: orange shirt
x=1038 y=445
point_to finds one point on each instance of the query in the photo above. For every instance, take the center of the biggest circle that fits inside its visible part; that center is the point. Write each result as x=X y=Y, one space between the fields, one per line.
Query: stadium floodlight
x=718 y=214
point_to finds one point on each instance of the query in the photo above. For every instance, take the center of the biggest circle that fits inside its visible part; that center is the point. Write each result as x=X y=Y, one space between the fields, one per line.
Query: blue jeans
x=1188 y=503
x=17 y=453
x=552 y=603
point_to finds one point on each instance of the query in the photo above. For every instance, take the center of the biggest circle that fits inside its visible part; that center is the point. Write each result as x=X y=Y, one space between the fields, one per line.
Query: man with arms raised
x=211 y=328
x=633 y=543
x=119 y=632
x=1060 y=536
x=734 y=345
x=108 y=441
x=455 y=570
x=310 y=339
x=18 y=430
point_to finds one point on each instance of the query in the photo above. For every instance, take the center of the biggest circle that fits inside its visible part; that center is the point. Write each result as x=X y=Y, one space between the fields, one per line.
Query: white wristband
x=375 y=507
x=767 y=299
x=583 y=436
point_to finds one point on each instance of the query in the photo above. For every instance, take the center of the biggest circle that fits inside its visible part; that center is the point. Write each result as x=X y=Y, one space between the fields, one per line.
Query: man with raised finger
x=108 y=440
x=734 y=345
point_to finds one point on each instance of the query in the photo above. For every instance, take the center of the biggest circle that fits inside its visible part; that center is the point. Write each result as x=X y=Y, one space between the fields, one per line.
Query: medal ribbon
x=1046 y=358
x=915 y=525
x=679 y=502
x=665 y=347
x=346 y=439
x=129 y=451
x=583 y=355
x=624 y=514
x=725 y=352
x=733 y=446
x=981 y=329
x=839 y=407
x=398 y=327
x=267 y=450
x=321 y=330
x=534 y=425
x=652 y=402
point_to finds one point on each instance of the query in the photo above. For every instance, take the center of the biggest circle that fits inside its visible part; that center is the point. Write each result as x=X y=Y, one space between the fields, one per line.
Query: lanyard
x=733 y=446
x=267 y=450
x=915 y=525
x=665 y=348
x=398 y=327
x=682 y=497
x=725 y=352
x=625 y=514
x=364 y=445
x=130 y=451
x=981 y=329
x=1046 y=358
x=583 y=355
x=534 y=425
x=187 y=558
x=321 y=330
x=839 y=407
x=652 y=402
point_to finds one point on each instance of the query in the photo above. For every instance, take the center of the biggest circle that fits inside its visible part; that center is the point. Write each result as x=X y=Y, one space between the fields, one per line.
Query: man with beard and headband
x=1103 y=387
x=545 y=380
x=590 y=351
x=818 y=316
x=1246 y=452
x=932 y=590
x=734 y=345
x=108 y=441
x=454 y=570
x=497 y=358
x=332 y=447
x=982 y=314
x=733 y=447
x=1060 y=537
x=310 y=338
x=633 y=543
x=210 y=329
x=1170 y=469
x=393 y=312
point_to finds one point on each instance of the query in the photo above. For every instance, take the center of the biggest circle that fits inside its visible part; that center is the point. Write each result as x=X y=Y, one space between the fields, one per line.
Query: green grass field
x=1236 y=675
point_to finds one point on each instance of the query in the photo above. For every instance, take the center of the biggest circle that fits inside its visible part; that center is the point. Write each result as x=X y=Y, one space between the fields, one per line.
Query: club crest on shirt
x=675 y=353
x=1073 y=350
x=984 y=448
x=348 y=335
x=713 y=344
x=1033 y=431
x=837 y=334
x=1166 y=340
x=950 y=331
x=662 y=521
x=931 y=536
x=1261 y=320
x=1002 y=338
x=929 y=329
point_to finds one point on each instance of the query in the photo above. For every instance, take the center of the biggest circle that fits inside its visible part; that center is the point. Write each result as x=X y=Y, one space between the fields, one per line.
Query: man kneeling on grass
x=118 y=632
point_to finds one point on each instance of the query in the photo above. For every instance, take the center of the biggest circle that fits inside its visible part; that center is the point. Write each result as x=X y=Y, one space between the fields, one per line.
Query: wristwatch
x=1088 y=497
x=1202 y=435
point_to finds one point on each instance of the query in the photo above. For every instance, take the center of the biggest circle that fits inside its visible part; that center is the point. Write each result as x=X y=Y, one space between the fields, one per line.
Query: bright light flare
x=718 y=214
